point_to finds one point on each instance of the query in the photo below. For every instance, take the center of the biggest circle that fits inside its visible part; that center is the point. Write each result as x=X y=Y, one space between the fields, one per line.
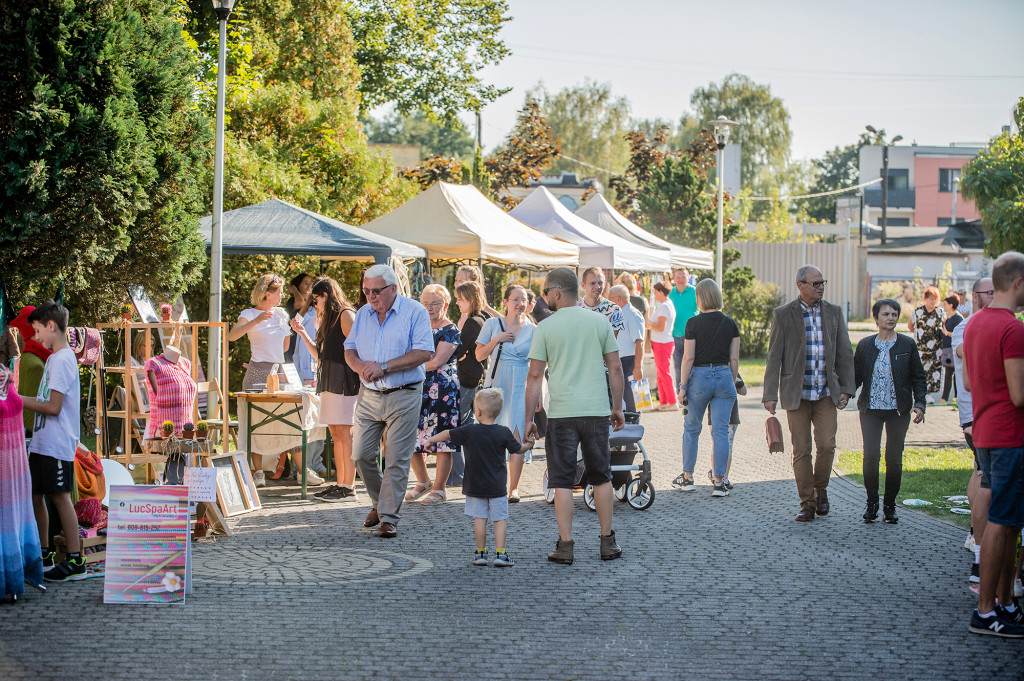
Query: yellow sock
x=501 y=551
x=484 y=549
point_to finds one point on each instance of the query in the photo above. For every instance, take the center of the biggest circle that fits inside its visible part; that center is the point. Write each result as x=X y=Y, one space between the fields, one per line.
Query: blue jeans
x=677 y=360
x=714 y=387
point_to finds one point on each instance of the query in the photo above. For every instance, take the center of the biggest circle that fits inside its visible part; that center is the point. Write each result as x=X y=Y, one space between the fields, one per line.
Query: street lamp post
x=223 y=10
x=885 y=175
x=721 y=126
x=952 y=217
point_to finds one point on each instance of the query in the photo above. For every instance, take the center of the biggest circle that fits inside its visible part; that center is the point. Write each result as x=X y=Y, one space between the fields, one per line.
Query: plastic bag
x=641 y=394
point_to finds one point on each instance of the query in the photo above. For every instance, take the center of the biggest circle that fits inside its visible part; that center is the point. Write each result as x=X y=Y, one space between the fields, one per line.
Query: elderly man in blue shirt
x=389 y=343
x=631 y=341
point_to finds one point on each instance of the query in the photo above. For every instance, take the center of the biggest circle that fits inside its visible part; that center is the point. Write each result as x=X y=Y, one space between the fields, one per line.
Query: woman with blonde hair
x=469 y=296
x=266 y=325
x=441 y=396
x=470 y=273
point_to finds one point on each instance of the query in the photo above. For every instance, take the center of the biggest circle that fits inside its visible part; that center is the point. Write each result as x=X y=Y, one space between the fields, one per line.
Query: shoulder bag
x=489 y=381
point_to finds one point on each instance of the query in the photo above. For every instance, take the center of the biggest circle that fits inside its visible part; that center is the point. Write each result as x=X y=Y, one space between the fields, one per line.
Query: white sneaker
x=312 y=478
x=259 y=478
x=969 y=542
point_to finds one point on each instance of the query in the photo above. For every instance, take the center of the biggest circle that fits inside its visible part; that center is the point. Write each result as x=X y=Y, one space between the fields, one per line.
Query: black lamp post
x=885 y=175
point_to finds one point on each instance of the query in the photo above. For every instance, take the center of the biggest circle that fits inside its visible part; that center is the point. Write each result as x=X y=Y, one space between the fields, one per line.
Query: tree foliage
x=436 y=169
x=433 y=138
x=528 y=149
x=994 y=180
x=647 y=153
x=105 y=155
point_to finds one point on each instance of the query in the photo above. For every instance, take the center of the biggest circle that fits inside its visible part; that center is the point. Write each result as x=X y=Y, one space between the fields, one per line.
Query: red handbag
x=773 y=433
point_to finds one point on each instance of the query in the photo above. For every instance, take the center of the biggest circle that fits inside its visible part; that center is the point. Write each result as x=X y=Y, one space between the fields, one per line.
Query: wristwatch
x=384 y=367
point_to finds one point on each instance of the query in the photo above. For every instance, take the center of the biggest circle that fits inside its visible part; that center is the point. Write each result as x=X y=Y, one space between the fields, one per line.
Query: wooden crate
x=97 y=556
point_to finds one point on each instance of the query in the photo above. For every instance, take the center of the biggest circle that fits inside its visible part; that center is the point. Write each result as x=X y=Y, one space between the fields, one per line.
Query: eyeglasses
x=815 y=284
x=544 y=292
x=436 y=305
x=986 y=293
x=374 y=292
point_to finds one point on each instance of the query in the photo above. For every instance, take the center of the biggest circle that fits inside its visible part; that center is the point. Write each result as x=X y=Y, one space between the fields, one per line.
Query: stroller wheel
x=549 y=493
x=640 y=497
x=588 y=497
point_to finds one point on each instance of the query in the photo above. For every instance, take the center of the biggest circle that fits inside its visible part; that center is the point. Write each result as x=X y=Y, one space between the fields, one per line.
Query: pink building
x=936 y=177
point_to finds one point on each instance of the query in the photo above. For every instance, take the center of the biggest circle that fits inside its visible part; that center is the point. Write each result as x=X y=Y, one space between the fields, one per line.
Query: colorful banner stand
x=148 y=544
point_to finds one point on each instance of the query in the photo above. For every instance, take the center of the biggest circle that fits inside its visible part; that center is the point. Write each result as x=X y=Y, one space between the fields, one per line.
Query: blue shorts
x=492 y=509
x=1004 y=469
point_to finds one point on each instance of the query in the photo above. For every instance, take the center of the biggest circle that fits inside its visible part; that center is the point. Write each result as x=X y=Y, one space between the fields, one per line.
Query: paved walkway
x=707 y=588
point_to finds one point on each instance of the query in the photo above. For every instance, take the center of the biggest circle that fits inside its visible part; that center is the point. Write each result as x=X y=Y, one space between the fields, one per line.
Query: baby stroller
x=624 y=444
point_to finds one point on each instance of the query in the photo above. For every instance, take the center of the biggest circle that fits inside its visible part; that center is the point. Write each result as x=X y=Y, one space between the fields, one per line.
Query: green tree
x=994 y=180
x=764 y=125
x=528 y=149
x=105 y=155
x=592 y=123
x=433 y=138
x=647 y=153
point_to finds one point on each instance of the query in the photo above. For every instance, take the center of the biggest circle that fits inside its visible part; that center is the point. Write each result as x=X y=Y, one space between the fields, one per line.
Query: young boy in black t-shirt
x=484 y=482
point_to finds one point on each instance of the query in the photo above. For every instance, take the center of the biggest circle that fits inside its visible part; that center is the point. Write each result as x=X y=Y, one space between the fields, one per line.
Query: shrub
x=751 y=308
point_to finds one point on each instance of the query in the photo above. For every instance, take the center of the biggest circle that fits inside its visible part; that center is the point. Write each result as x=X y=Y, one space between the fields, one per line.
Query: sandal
x=279 y=471
x=436 y=496
x=418 y=491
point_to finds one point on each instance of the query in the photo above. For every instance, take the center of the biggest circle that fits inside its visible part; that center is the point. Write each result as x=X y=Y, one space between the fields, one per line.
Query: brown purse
x=773 y=433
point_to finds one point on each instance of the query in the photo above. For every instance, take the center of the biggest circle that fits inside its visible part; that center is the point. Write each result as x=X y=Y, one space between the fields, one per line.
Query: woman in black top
x=298 y=288
x=953 y=319
x=711 y=354
x=469 y=296
x=336 y=383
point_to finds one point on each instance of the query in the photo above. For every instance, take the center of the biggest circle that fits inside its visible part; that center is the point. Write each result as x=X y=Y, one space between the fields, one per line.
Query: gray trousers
x=396 y=417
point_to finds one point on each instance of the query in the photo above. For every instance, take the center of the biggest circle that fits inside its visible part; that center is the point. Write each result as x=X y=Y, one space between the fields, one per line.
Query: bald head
x=1006 y=270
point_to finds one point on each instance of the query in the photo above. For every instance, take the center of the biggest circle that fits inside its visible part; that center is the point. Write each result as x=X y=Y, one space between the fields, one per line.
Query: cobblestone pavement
x=727 y=588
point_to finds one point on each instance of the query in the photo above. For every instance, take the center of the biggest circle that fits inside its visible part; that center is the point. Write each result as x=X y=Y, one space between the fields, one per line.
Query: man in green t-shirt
x=576 y=346
x=684 y=300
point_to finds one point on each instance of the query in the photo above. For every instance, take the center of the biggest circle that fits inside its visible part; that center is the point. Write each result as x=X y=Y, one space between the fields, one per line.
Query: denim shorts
x=590 y=434
x=1004 y=469
x=493 y=509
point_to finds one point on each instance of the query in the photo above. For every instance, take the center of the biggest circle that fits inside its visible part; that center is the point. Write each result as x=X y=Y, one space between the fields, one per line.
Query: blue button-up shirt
x=302 y=359
x=632 y=331
x=406 y=327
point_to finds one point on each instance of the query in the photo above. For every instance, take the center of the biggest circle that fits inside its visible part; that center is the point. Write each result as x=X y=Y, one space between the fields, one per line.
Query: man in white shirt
x=631 y=341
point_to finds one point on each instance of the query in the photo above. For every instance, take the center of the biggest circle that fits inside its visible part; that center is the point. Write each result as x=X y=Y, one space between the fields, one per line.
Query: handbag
x=489 y=381
x=85 y=343
x=773 y=433
x=642 y=394
x=947 y=358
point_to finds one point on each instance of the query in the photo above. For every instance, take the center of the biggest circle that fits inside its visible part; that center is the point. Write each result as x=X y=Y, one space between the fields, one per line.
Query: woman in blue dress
x=440 y=409
x=510 y=336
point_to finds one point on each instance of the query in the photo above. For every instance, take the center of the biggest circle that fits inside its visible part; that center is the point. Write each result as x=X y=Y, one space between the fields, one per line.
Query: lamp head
x=722 y=126
x=223 y=8
x=896 y=139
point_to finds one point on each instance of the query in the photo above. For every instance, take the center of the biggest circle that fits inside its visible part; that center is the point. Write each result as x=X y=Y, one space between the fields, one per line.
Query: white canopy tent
x=456 y=222
x=542 y=211
x=601 y=213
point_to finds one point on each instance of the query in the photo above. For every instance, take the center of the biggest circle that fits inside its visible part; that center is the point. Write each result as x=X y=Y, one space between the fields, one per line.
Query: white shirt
x=267 y=338
x=57 y=436
x=963 y=398
x=668 y=311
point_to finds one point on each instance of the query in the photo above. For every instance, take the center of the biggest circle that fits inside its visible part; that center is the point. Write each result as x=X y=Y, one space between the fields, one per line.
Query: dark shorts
x=50 y=475
x=1004 y=469
x=981 y=473
x=589 y=433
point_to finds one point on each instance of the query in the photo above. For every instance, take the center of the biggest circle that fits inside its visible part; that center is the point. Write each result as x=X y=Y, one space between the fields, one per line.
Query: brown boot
x=609 y=549
x=562 y=553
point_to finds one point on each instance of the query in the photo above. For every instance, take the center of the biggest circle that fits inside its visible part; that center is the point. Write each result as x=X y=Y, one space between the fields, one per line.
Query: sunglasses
x=544 y=292
x=374 y=292
x=815 y=284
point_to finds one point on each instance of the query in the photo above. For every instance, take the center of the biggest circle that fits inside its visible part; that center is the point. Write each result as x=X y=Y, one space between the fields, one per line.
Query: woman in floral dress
x=440 y=410
x=926 y=325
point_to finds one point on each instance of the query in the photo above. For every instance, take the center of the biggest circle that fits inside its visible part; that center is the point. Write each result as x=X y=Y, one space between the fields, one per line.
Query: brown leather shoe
x=372 y=519
x=388 y=530
x=805 y=515
x=822 y=505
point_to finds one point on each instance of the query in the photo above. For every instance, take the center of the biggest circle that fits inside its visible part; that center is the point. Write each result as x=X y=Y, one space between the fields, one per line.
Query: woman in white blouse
x=662 y=345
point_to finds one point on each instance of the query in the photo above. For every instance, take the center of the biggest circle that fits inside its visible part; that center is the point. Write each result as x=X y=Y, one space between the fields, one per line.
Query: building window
x=899 y=179
x=897 y=222
x=946 y=178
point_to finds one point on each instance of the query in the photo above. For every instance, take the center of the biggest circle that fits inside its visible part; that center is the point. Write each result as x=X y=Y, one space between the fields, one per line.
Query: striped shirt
x=815 y=385
x=406 y=327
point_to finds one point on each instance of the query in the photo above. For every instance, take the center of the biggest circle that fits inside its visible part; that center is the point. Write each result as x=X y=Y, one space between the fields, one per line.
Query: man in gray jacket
x=809 y=371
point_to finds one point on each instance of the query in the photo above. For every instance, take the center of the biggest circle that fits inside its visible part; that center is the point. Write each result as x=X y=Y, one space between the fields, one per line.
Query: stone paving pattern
x=711 y=588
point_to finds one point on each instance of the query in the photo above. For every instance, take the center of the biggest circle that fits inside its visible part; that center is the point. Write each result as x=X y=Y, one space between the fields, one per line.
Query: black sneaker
x=975 y=577
x=68 y=570
x=684 y=483
x=871 y=512
x=340 y=493
x=49 y=559
x=728 y=485
x=994 y=626
x=889 y=514
x=480 y=558
x=325 y=492
x=1016 y=617
x=504 y=560
x=720 y=491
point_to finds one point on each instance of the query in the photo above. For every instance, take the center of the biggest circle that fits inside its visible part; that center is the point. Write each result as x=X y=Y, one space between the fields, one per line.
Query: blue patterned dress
x=440 y=408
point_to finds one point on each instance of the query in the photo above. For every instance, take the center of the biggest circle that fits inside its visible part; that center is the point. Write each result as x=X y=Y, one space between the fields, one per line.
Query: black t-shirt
x=712 y=332
x=950 y=323
x=469 y=369
x=640 y=303
x=541 y=311
x=484 y=446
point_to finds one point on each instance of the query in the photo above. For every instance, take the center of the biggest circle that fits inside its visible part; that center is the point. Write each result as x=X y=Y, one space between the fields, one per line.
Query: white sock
x=1011 y=608
x=977 y=554
x=987 y=614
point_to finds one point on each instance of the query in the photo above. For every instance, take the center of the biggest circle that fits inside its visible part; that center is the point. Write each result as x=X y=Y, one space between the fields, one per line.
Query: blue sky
x=935 y=72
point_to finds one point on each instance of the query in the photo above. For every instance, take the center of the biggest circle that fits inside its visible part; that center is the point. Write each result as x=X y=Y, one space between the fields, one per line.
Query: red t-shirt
x=996 y=334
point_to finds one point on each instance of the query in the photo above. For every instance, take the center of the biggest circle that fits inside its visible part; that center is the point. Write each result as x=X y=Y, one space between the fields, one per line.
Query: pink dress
x=175 y=396
x=20 y=556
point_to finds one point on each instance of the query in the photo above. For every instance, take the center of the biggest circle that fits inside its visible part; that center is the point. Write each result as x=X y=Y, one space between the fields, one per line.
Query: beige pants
x=811 y=476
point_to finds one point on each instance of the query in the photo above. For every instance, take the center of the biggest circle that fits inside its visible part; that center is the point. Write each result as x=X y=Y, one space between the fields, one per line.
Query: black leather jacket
x=907 y=372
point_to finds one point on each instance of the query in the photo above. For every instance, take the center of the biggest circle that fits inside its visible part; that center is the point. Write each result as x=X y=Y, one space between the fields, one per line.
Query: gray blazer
x=787 y=354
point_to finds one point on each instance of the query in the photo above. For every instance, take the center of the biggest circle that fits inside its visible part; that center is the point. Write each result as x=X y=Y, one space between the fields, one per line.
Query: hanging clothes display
x=19 y=536
x=175 y=395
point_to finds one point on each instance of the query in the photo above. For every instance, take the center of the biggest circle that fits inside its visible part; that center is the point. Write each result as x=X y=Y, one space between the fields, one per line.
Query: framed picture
x=143 y=305
x=230 y=496
x=253 y=498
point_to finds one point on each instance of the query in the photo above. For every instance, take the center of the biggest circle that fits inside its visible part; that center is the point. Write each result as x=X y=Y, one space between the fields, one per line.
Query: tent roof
x=600 y=212
x=276 y=226
x=457 y=222
x=542 y=211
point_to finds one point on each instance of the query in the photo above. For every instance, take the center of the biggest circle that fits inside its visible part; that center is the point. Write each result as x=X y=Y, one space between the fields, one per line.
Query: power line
x=809 y=196
x=589 y=165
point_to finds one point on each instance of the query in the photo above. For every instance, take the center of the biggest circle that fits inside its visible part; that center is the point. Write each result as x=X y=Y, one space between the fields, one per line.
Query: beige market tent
x=599 y=248
x=456 y=222
x=601 y=213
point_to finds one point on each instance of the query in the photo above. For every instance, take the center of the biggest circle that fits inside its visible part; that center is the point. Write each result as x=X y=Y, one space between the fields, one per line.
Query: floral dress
x=928 y=334
x=440 y=408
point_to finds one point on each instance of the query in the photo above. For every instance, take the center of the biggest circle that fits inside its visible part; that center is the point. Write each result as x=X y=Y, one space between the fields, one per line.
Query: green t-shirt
x=30 y=375
x=685 y=304
x=573 y=342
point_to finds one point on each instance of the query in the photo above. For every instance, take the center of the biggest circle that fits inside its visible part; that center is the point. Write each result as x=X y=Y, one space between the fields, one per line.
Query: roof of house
x=964 y=237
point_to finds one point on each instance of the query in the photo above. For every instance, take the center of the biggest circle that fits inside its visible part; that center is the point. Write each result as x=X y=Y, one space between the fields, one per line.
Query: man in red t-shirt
x=994 y=366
